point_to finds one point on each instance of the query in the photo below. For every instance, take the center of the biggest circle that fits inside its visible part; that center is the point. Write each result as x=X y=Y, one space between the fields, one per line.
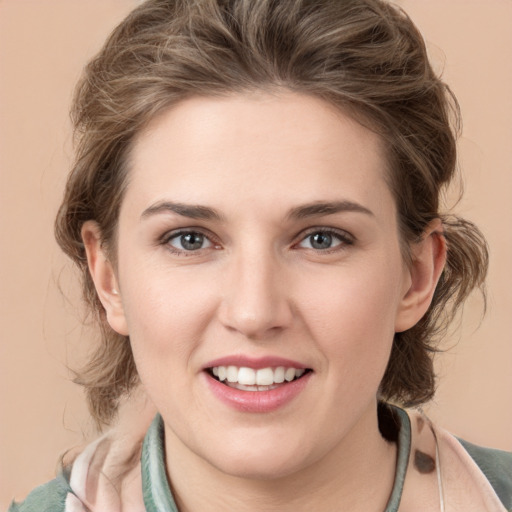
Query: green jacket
x=495 y=467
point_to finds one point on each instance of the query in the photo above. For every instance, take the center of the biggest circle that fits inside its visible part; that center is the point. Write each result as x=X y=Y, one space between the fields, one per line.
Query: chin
x=263 y=470
x=260 y=460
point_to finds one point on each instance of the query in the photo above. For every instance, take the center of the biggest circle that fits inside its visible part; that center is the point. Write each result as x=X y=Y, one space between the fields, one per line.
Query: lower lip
x=257 y=401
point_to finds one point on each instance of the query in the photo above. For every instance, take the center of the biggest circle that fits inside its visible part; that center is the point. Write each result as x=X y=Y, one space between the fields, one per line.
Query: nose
x=256 y=301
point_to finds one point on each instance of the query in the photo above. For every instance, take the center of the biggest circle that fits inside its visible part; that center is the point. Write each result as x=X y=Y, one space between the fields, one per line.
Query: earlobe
x=428 y=260
x=104 y=277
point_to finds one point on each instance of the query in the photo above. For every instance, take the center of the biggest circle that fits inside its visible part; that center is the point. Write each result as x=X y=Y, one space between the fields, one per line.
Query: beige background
x=43 y=46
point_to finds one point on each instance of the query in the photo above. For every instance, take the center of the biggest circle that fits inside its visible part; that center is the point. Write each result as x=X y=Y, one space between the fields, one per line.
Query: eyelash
x=344 y=239
x=173 y=235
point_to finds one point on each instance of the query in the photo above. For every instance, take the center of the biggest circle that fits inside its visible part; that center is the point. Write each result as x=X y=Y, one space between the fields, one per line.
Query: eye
x=325 y=239
x=188 y=241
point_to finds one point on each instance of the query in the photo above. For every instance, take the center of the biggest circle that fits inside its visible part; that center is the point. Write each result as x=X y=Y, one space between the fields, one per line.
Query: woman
x=255 y=209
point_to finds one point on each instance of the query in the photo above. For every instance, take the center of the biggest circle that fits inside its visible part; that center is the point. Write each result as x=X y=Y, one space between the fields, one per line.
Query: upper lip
x=254 y=362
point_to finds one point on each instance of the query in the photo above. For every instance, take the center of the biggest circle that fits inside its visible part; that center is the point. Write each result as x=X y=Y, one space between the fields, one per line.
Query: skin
x=259 y=287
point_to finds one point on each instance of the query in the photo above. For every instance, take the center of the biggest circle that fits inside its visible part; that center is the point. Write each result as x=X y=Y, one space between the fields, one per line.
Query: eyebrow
x=191 y=211
x=306 y=211
x=318 y=209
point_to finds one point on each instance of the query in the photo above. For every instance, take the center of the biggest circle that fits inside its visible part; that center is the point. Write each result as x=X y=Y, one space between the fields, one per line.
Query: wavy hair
x=364 y=56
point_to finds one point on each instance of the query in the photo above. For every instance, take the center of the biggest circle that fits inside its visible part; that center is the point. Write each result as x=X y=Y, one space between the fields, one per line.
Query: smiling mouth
x=249 y=379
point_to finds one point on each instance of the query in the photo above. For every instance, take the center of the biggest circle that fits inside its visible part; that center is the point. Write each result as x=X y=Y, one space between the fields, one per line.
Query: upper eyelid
x=342 y=233
x=165 y=240
x=168 y=235
x=214 y=239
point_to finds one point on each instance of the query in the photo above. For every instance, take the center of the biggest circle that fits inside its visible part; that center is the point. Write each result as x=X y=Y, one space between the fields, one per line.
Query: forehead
x=264 y=148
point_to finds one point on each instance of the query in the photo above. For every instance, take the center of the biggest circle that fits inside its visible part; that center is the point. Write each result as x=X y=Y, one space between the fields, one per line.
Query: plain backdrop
x=43 y=47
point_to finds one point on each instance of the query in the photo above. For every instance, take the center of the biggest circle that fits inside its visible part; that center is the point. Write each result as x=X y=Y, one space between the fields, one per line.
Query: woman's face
x=258 y=237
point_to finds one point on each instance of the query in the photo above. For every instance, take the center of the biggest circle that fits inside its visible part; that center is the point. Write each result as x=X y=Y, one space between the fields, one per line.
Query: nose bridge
x=255 y=301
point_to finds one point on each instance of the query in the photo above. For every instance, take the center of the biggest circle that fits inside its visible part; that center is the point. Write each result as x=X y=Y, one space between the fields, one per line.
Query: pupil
x=321 y=240
x=192 y=241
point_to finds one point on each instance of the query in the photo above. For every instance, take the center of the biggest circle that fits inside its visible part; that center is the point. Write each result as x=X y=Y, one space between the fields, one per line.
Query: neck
x=356 y=475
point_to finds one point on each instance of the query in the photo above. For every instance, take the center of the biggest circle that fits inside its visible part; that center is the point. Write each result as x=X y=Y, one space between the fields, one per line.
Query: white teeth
x=299 y=373
x=232 y=374
x=289 y=374
x=265 y=377
x=246 y=376
x=259 y=379
x=279 y=375
x=252 y=388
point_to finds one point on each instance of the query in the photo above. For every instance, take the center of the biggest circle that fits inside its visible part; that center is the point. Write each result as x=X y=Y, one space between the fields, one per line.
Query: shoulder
x=496 y=465
x=95 y=474
x=49 y=497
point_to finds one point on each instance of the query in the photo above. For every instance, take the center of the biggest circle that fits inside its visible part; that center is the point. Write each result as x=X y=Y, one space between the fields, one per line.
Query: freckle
x=420 y=422
x=424 y=463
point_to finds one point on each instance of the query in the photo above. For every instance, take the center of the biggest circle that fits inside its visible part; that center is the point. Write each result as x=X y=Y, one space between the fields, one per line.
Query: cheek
x=166 y=312
x=352 y=313
x=166 y=327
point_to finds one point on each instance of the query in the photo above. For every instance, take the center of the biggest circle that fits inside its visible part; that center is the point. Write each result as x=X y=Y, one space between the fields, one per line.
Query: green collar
x=155 y=488
x=402 y=459
x=157 y=493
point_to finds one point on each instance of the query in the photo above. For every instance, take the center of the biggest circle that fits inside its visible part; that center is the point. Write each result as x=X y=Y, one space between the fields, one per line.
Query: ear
x=428 y=259
x=104 y=277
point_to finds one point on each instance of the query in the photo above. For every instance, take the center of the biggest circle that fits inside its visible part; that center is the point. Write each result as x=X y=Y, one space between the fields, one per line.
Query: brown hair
x=364 y=56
